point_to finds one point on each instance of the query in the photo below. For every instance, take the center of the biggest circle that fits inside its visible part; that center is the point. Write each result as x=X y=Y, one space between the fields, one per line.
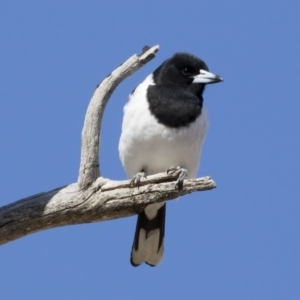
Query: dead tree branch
x=103 y=200
x=94 y=198
x=89 y=164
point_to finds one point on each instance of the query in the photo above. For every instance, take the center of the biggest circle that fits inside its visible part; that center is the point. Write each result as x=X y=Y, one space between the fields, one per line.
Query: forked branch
x=94 y=198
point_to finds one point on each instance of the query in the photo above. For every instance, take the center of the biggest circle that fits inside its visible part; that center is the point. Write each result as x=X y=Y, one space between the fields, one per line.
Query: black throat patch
x=174 y=106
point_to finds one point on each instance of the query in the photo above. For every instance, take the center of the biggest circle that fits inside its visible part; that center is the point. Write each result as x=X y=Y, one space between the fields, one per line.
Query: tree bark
x=89 y=164
x=94 y=198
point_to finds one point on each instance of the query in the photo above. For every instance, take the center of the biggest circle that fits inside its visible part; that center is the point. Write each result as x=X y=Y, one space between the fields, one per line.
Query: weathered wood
x=89 y=164
x=103 y=200
x=94 y=198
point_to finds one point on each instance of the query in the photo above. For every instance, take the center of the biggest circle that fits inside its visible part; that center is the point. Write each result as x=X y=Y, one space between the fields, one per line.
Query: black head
x=176 y=97
x=184 y=69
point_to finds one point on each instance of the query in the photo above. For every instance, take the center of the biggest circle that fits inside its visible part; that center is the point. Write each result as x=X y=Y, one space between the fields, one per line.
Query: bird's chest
x=148 y=145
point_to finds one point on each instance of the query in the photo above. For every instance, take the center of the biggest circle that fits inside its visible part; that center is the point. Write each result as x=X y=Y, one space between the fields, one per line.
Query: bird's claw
x=136 y=179
x=182 y=175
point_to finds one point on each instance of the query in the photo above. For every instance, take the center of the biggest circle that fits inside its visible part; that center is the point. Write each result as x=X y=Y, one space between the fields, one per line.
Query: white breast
x=146 y=144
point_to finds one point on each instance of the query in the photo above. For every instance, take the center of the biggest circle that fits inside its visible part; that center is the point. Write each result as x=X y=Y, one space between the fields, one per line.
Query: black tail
x=148 y=243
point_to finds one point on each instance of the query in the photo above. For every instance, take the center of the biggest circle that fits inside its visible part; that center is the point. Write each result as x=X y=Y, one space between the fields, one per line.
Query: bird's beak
x=206 y=77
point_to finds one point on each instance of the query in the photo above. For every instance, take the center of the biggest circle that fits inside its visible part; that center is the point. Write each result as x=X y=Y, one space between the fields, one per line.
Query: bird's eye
x=186 y=71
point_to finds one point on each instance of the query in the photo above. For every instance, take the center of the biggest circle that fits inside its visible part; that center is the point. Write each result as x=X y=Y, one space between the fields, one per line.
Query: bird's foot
x=182 y=175
x=136 y=179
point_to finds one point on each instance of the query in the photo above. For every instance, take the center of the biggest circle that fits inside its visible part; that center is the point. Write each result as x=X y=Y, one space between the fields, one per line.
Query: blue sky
x=239 y=241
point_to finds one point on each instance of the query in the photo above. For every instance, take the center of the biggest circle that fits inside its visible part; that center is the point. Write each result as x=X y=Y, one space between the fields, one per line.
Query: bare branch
x=94 y=198
x=103 y=200
x=89 y=164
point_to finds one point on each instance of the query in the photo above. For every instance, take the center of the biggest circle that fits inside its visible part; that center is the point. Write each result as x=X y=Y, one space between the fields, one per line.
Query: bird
x=163 y=129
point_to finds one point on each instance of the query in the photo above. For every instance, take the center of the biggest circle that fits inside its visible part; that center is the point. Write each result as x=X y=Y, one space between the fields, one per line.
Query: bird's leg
x=182 y=175
x=136 y=179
